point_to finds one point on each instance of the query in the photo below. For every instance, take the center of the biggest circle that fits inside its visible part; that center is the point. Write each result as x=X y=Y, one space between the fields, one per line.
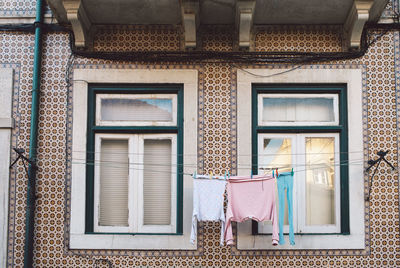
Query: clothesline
x=274 y=154
x=190 y=174
x=276 y=165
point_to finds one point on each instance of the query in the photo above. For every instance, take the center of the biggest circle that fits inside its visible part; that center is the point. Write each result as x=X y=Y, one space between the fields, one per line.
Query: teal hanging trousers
x=285 y=181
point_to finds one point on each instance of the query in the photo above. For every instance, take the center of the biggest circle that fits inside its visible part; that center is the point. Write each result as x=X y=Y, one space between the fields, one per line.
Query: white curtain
x=136 y=109
x=298 y=109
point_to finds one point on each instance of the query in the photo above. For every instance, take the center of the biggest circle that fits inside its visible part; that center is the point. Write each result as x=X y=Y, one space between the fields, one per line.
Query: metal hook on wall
x=376 y=162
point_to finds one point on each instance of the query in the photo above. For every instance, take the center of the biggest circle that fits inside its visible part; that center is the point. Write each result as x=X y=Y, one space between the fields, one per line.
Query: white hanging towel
x=208 y=204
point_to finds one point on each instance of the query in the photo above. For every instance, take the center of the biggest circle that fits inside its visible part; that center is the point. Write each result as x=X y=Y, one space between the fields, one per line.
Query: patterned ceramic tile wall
x=217 y=152
x=304 y=39
x=138 y=38
x=18 y=8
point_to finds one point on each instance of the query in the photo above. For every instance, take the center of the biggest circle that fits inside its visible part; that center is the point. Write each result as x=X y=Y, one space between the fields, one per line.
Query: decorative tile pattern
x=19 y=8
x=216 y=38
x=138 y=38
x=391 y=10
x=298 y=38
x=217 y=149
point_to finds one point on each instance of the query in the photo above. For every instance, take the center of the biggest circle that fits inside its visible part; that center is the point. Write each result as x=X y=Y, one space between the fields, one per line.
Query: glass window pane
x=277 y=153
x=157 y=182
x=113 y=207
x=298 y=109
x=146 y=109
x=320 y=180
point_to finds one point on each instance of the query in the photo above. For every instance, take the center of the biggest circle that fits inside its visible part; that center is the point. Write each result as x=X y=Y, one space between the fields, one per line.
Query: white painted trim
x=353 y=79
x=81 y=78
x=6 y=122
x=6 y=91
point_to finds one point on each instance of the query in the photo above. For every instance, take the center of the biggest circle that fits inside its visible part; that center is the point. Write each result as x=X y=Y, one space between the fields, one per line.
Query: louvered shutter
x=114 y=186
x=157 y=182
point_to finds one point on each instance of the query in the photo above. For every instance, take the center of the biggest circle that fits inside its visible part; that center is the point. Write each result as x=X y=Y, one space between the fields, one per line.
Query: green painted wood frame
x=342 y=129
x=93 y=129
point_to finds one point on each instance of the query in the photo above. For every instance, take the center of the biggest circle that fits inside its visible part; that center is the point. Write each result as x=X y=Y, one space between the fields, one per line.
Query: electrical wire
x=235 y=57
x=271 y=75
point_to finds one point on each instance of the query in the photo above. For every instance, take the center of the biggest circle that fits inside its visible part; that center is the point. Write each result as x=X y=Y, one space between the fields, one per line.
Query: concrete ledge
x=6 y=123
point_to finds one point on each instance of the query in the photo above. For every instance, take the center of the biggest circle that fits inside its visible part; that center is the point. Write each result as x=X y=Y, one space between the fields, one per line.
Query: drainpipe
x=31 y=195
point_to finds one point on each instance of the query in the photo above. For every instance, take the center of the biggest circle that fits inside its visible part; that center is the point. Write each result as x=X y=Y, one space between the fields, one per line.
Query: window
x=292 y=117
x=301 y=129
x=136 y=138
x=106 y=128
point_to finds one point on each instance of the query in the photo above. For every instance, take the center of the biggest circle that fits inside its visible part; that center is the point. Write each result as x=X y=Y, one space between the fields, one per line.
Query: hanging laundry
x=251 y=199
x=208 y=204
x=285 y=181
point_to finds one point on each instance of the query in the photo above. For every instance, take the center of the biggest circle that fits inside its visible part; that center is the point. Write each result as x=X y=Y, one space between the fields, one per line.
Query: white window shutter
x=114 y=186
x=157 y=162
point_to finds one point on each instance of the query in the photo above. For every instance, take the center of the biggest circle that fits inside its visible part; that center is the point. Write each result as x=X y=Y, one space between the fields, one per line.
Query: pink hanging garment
x=251 y=199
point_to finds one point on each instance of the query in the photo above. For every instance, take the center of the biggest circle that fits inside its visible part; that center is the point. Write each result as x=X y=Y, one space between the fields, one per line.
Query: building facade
x=218 y=121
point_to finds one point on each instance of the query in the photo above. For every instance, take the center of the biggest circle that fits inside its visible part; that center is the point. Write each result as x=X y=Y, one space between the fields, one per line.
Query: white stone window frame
x=81 y=80
x=353 y=80
x=6 y=125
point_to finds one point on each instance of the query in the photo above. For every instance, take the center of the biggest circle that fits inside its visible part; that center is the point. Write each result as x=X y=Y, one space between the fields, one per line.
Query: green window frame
x=93 y=129
x=341 y=129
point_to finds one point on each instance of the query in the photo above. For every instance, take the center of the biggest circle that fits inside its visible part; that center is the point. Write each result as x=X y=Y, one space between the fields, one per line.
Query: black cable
x=376 y=162
x=277 y=57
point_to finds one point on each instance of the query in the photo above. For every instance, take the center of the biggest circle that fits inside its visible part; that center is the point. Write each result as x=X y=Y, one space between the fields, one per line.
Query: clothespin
x=292 y=172
x=211 y=175
x=273 y=174
x=195 y=174
x=277 y=175
x=251 y=174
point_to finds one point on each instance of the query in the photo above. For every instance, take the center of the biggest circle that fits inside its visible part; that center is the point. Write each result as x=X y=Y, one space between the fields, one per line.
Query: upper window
x=297 y=109
x=307 y=131
x=134 y=140
x=136 y=109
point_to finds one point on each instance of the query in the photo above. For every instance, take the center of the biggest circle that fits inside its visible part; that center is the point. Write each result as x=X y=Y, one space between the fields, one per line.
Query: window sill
x=247 y=241
x=133 y=242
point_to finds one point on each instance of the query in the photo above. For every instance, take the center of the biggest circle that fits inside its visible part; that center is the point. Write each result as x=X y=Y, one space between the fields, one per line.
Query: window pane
x=145 y=109
x=157 y=182
x=320 y=181
x=277 y=153
x=298 y=110
x=114 y=183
